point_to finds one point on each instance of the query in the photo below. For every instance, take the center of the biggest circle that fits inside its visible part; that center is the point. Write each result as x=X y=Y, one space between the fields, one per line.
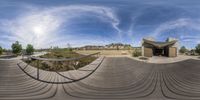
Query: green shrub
x=1 y=50
x=183 y=49
x=29 y=49
x=198 y=49
x=136 y=53
x=16 y=48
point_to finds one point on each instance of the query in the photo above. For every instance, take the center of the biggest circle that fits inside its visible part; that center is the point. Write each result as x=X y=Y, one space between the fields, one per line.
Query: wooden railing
x=72 y=61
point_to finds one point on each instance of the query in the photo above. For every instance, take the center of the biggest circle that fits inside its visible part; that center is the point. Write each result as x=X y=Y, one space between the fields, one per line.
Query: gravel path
x=119 y=78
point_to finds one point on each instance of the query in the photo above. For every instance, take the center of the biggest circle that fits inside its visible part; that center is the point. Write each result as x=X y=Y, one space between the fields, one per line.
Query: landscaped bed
x=64 y=65
x=143 y=58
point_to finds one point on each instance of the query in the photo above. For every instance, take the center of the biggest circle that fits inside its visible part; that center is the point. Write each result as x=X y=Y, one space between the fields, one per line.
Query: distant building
x=153 y=48
x=112 y=46
x=92 y=47
x=117 y=46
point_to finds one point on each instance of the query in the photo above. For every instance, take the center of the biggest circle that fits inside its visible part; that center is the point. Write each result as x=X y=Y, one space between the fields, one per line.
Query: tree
x=29 y=49
x=183 y=49
x=16 y=48
x=1 y=50
x=198 y=49
x=69 y=47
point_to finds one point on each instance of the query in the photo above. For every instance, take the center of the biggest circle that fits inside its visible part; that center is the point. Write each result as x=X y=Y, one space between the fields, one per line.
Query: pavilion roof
x=159 y=44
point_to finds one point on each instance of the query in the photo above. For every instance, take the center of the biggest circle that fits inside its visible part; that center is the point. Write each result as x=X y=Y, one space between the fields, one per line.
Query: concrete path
x=166 y=60
x=119 y=78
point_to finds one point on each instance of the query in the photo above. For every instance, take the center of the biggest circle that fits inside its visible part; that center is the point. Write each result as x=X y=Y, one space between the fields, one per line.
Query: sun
x=38 y=30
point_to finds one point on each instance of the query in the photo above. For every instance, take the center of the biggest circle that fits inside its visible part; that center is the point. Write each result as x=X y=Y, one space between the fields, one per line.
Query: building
x=118 y=46
x=92 y=47
x=112 y=46
x=153 y=48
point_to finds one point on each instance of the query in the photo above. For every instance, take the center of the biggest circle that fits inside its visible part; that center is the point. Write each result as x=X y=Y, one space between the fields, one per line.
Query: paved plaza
x=119 y=78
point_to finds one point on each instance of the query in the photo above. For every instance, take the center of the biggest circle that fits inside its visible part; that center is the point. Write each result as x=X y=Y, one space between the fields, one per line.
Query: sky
x=46 y=23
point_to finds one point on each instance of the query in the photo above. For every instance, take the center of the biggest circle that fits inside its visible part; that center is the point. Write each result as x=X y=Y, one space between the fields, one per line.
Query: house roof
x=159 y=44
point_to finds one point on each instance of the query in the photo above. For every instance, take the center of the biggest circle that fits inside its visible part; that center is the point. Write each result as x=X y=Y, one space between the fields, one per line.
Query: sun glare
x=38 y=30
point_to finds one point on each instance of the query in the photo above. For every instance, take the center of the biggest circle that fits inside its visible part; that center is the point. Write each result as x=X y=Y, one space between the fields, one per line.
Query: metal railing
x=73 y=62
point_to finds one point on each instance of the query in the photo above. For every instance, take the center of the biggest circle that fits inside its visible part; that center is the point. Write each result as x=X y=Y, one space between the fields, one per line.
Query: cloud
x=191 y=38
x=179 y=23
x=171 y=25
x=185 y=29
x=42 y=27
